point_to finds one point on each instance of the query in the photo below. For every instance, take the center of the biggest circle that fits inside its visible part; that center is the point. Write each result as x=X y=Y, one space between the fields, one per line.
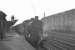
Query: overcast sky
x=25 y=9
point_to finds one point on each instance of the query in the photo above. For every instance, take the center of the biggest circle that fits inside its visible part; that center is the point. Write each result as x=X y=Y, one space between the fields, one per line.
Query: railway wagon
x=59 y=31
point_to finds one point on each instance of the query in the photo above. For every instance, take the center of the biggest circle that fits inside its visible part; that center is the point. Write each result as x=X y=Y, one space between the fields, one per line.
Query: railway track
x=60 y=41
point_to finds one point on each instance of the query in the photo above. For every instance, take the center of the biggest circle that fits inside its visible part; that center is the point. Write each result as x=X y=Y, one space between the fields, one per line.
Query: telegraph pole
x=44 y=14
